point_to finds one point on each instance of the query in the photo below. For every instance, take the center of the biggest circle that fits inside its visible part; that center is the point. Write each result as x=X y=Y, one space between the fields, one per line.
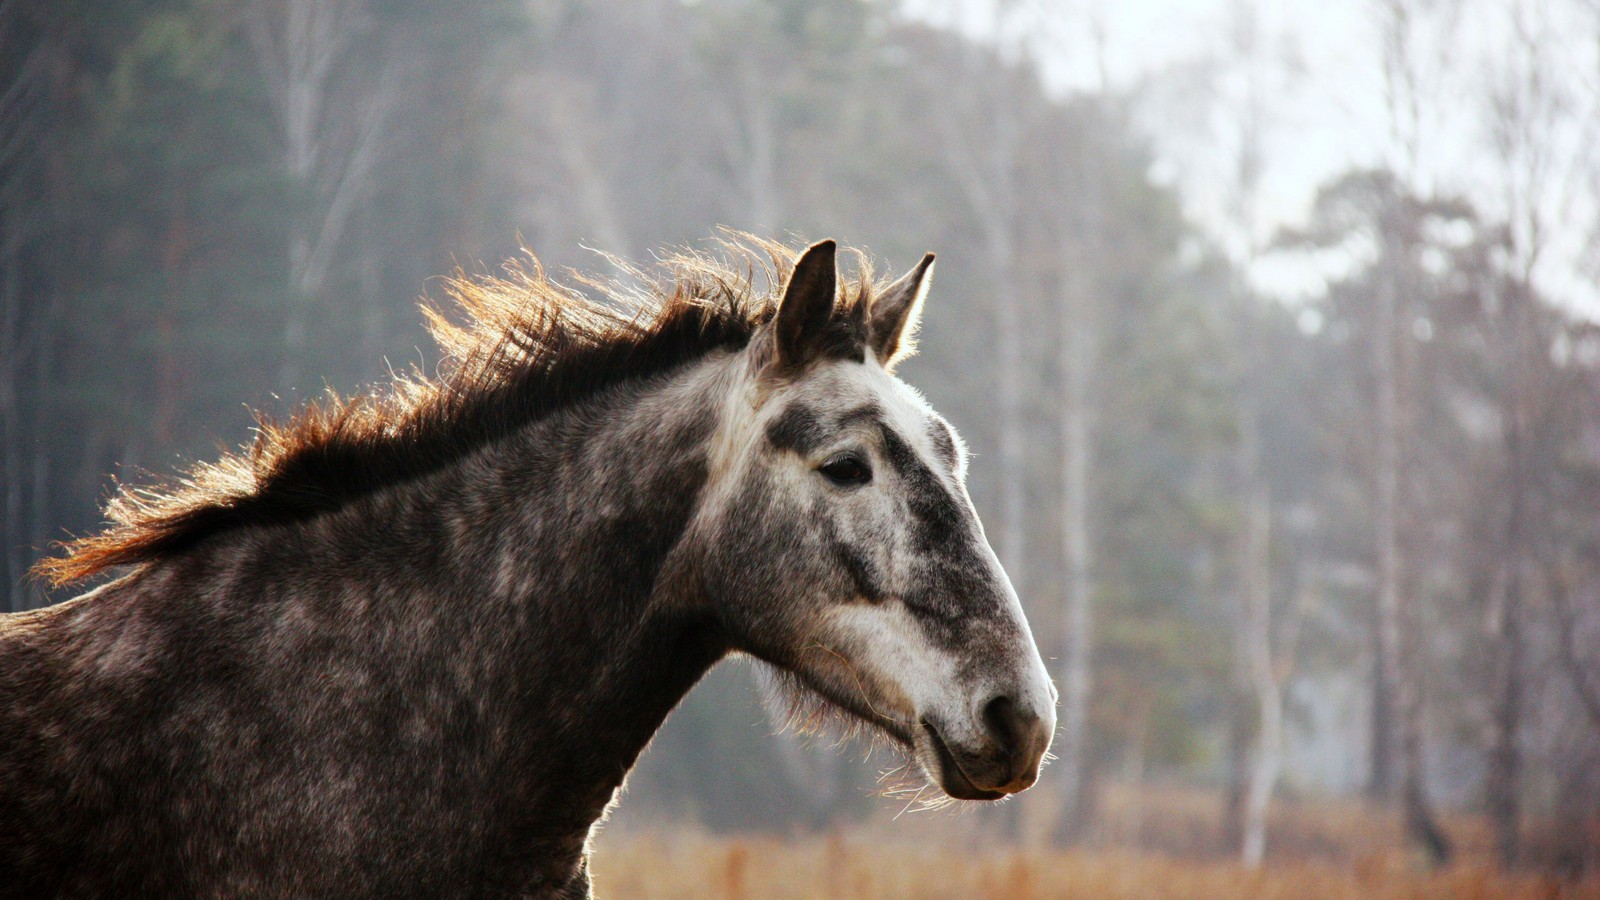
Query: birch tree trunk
x=1401 y=687
x=569 y=133
x=1256 y=593
x=1077 y=347
x=1270 y=645
x=1500 y=783
x=995 y=215
x=1380 y=751
x=1406 y=78
x=1386 y=490
x=759 y=133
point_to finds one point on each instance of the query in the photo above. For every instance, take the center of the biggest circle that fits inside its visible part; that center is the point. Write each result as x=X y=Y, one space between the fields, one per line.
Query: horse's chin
x=813 y=706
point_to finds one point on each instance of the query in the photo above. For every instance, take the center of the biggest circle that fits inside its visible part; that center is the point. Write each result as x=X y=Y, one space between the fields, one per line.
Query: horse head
x=837 y=541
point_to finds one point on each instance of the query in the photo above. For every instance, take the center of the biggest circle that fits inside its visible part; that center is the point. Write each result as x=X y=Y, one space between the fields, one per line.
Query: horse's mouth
x=953 y=780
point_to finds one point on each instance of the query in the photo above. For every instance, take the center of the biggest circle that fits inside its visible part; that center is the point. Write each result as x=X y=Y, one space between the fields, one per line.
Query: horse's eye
x=846 y=470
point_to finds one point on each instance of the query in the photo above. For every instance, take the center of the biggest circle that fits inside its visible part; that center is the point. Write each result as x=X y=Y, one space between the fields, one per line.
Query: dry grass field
x=1151 y=849
x=696 y=866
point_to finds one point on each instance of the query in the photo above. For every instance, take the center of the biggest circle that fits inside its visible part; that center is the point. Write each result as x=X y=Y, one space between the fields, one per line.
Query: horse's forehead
x=847 y=386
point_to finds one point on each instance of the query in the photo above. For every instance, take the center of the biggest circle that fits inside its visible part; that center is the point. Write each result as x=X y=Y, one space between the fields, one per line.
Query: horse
x=410 y=643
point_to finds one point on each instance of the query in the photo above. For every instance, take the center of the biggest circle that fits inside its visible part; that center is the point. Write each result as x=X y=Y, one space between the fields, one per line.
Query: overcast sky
x=1319 y=81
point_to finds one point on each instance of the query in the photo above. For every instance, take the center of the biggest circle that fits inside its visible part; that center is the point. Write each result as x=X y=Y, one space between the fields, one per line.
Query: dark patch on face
x=861 y=571
x=797 y=428
x=937 y=520
x=953 y=576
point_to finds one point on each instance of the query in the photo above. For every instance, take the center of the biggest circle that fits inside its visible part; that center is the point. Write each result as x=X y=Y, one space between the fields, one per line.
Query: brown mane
x=528 y=346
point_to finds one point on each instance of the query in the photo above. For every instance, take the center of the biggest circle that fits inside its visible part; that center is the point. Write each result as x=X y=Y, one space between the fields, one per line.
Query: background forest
x=1305 y=510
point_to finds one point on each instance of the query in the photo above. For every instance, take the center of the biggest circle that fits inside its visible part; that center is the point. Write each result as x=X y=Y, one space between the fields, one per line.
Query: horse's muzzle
x=1003 y=761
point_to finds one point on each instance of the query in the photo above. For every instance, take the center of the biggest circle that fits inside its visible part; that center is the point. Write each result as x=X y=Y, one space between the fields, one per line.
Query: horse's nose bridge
x=993 y=648
x=1017 y=704
x=967 y=572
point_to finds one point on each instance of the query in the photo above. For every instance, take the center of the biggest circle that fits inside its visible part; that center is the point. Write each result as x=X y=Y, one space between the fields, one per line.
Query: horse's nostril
x=1006 y=723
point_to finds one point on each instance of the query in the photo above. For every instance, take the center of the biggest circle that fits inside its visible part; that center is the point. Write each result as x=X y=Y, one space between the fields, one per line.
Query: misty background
x=1272 y=328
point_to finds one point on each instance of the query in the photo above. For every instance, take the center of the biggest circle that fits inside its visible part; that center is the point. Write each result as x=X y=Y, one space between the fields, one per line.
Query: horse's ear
x=895 y=314
x=807 y=305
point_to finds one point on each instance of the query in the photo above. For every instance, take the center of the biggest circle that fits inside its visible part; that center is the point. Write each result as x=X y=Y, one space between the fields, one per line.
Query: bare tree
x=1244 y=90
x=981 y=133
x=1398 y=687
x=1527 y=107
x=303 y=49
x=1400 y=652
x=1078 y=351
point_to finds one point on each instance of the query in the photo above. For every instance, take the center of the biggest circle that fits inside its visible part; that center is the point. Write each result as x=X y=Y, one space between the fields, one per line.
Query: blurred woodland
x=1277 y=550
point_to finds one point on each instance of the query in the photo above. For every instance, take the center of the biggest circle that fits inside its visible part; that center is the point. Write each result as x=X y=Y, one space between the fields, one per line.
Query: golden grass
x=1153 y=844
x=693 y=865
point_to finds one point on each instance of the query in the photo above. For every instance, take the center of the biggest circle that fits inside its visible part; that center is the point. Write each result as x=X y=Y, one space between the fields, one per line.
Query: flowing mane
x=527 y=346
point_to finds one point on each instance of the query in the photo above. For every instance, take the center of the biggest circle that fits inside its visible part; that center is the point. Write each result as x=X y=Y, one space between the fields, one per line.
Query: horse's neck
x=555 y=539
x=581 y=517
